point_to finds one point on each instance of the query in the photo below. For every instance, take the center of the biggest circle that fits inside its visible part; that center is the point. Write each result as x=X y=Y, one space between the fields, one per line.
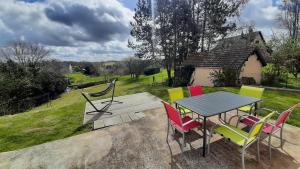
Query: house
x=246 y=53
x=70 y=68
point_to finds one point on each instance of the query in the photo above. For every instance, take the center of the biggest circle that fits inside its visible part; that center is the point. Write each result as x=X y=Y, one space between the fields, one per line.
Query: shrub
x=89 y=69
x=225 y=77
x=52 y=83
x=271 y=75
x=19 y=83
x=248 y=81
x=151 y=71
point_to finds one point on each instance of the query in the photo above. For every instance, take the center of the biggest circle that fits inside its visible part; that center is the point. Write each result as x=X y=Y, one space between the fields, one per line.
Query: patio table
x=212 y=104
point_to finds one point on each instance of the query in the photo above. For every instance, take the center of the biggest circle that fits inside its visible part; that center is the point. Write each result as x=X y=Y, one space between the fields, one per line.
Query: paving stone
x=125 y=118
x=140 y=114
x=99 y=124
x=133 y=116
x=112 y=120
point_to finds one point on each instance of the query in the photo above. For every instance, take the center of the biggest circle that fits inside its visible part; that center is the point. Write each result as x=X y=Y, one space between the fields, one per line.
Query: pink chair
x=270 y=128
x=181 y=124
x=195 y=90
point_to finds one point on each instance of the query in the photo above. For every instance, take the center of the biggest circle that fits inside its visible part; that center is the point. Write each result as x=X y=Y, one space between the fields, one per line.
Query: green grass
x=79 y=78
x=63 y=117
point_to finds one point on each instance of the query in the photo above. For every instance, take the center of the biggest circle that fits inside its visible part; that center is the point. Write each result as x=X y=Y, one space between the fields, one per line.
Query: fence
x=17 y=106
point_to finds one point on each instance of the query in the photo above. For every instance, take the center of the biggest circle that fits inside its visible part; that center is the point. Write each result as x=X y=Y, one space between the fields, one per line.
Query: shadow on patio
x=226 y=155
x=142 y=144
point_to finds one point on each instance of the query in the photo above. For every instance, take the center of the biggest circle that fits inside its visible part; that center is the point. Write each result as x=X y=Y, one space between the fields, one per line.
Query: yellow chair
x=177 y=94
x=250 y=91
x=240 y=137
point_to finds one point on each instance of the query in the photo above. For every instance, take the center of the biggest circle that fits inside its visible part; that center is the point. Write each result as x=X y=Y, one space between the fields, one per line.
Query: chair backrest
x=195 y=90
x=255 y=92
x=258 y=126
x=175 y=94
x=172 y=114
x=284 y=115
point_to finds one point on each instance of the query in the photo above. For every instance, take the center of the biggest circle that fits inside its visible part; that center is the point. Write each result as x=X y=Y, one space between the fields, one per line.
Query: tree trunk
x=204 y=26
x=169 y=75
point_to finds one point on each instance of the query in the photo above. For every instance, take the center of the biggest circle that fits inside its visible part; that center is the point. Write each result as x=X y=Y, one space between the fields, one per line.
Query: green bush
x=225 y=77
x=271 y=75
x=19 y=83
x=151 y=71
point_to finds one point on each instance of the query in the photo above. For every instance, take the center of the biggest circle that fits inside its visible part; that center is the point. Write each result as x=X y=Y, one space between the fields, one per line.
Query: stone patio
x=130 y=109
x=142 y=144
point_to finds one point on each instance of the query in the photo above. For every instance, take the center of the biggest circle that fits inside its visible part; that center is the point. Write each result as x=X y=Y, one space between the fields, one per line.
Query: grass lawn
x=63 y=117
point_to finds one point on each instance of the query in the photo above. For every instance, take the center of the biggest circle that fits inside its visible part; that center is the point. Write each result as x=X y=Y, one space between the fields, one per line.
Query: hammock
x=111 y=87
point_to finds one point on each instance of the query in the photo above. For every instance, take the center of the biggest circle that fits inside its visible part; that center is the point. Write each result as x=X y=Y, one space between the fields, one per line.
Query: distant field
x=79 y=78
x=63 y=118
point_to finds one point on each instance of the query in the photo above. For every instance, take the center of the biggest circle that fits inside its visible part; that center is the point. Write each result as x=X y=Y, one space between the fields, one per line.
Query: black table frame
x=251 y=101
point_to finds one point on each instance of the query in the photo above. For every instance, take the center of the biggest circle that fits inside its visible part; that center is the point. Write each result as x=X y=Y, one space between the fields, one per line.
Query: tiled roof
x=231 y=52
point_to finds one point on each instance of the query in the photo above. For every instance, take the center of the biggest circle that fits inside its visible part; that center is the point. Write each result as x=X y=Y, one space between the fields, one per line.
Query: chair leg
x=237 y=123
x=270 y=146
x=173 y=130
x=168 y=131
x=258 y=151
x=208 y=142
x=183 y=139
x=243 y=159
x=281 y=138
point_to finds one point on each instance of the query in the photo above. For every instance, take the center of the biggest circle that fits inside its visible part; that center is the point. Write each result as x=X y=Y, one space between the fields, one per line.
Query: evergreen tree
x=143 y=30
x=181 y=27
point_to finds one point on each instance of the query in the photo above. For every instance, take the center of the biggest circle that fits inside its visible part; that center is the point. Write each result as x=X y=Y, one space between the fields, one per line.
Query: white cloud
x=263 y=14
x=78 y=30
x=94 y=30
x=270 y=13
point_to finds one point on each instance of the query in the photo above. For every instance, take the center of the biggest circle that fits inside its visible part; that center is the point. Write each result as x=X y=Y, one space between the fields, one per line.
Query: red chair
x=270 y=128
x=181 y=124
x=195 y=90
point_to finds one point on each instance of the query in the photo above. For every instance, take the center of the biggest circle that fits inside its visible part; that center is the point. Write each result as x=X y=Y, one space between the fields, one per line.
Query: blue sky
x=129 y=3
x=96 y=30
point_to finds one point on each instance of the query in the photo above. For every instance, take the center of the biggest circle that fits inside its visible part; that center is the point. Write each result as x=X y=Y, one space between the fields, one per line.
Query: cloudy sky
x=95 y=30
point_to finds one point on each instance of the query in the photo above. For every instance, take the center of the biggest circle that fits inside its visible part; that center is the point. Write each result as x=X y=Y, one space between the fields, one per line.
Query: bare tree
x=136 y=66
x=290 y=17
x=26 y=54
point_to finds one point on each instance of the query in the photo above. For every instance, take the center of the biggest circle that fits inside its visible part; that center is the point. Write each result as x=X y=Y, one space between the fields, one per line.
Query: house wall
x=202 y=77
x=252 y=68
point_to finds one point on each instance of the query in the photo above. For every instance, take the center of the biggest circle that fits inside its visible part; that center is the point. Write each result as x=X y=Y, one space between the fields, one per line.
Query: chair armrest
x=188 y=122
x=268 y=110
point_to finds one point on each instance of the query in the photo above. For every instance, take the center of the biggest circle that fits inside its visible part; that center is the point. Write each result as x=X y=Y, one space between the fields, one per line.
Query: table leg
x=255 y=108
x=204 y=138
